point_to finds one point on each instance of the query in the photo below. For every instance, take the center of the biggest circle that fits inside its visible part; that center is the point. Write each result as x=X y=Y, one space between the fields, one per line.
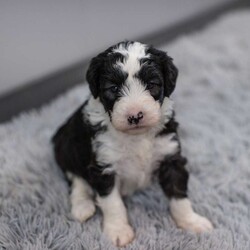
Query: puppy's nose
x=135 y=119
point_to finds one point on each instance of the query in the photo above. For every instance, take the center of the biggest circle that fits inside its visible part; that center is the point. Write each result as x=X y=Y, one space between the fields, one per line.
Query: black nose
x=135 y=119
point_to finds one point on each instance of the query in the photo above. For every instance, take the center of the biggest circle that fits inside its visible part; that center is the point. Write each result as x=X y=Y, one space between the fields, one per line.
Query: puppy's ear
x=93 y=74
x=170 y=72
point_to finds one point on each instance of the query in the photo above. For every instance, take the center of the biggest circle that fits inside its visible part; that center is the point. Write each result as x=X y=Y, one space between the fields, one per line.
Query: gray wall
x=40 y=37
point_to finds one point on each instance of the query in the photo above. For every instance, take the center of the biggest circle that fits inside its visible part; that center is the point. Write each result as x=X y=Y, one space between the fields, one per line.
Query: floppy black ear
x=93 y=74
x=170 y=72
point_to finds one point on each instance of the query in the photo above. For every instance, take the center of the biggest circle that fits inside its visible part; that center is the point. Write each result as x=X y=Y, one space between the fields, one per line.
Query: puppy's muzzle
x=135 y=119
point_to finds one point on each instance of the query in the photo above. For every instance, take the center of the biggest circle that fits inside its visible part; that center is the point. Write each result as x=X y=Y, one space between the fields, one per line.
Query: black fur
x=173 y=177
x=170 y=127
x=73 y=152
x=170 y=72
x=101 y=71
x=152 y=76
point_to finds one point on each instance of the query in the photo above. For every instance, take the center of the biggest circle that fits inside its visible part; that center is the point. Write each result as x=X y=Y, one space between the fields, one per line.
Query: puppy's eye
x=114 y=89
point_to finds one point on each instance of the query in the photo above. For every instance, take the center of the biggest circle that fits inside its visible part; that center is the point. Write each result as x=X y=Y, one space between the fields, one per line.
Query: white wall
x=40 y=37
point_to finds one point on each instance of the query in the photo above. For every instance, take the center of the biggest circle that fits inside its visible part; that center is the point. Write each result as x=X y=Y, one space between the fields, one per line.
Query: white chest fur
x=133 y=158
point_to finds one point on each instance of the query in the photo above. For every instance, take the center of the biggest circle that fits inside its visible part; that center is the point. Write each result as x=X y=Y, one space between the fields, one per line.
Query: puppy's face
x=131 y=81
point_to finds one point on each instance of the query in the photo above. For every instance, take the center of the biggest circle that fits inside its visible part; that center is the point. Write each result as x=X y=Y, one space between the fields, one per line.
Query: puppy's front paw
x=120 y=234
x=83 y=210
x=195 y=223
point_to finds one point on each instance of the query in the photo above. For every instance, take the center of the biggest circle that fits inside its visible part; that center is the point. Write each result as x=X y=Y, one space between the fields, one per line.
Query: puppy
x=124 y=134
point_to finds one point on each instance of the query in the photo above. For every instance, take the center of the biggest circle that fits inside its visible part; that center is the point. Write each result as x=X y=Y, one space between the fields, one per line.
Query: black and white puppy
x=121 y=136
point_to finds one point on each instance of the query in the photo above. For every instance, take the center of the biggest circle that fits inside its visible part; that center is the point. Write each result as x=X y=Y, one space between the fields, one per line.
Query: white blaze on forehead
x=133 y=89
x=133 y=53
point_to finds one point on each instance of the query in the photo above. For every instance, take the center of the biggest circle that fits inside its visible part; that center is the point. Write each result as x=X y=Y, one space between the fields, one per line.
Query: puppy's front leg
x=115 y=221
x=173 y=178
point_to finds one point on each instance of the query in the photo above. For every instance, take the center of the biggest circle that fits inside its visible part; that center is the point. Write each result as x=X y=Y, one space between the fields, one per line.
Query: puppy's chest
x=124 y=152
x=134 y=158
x=133 y=162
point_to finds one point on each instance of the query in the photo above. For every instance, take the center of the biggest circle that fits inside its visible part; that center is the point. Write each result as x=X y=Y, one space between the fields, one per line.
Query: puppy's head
x=131 y=80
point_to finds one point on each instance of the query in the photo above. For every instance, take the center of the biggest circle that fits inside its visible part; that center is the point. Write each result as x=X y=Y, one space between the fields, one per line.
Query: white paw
x=120 y=234
x=195 y=223
x=83 y=210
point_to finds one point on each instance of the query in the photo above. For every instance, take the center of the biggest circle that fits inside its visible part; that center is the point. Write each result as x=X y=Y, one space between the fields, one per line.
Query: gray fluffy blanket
x=213 y=107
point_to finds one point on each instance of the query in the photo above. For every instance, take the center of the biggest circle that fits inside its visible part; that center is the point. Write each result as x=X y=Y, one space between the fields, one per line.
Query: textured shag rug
x=213 y=107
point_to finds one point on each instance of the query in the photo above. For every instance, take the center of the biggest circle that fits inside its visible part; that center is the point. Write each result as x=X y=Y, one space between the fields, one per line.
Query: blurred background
x=45 y=46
